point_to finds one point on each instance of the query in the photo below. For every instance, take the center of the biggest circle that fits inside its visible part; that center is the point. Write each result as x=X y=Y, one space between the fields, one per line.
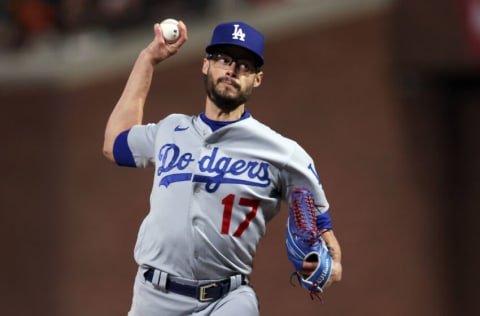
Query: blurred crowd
x=24 y=21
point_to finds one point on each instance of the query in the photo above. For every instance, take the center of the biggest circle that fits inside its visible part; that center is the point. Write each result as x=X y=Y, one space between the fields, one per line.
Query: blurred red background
x=386 y=102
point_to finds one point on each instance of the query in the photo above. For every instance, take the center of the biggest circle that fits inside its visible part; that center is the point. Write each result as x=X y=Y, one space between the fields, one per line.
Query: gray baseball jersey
x=213 y=192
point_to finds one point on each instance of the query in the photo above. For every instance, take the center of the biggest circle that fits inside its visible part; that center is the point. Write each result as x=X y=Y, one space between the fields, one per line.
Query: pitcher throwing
x=219 y=177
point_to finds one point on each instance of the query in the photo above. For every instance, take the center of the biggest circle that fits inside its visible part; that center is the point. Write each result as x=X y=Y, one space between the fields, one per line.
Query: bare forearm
x=129 y=109
x=336 y=253
x=334 y=245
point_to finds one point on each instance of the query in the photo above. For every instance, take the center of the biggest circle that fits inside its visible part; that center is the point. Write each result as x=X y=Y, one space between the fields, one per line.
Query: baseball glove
x=304 y=242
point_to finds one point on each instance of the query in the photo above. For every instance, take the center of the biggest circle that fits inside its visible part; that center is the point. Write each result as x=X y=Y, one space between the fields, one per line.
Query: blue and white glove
x=304 y=242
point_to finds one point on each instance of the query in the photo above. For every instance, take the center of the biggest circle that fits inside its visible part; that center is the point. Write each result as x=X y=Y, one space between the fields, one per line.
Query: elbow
x=109 y=144
x=338 y=277
x=337 y=272
x=107 y=151
x=116 y=149
x=109 y=155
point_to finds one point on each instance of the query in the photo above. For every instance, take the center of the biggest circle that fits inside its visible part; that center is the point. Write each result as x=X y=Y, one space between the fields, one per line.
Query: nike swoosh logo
x=179 y=129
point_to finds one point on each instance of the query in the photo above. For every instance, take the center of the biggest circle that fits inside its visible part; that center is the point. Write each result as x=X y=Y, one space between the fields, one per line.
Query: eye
x=224 y=59
x=245 y=66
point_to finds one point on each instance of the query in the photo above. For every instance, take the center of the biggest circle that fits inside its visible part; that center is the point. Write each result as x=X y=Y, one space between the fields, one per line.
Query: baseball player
x=218 y=178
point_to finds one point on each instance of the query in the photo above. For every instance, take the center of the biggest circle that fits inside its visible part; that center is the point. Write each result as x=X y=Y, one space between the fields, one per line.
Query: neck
x=213 y=112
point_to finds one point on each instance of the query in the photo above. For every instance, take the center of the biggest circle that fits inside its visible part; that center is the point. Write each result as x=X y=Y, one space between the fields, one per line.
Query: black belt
x=204 y=292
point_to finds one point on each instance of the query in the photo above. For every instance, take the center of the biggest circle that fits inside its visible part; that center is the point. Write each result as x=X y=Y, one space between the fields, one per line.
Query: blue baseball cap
x=238 y=34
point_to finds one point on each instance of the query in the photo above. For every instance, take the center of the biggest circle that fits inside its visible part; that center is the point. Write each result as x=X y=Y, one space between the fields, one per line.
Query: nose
x=232 y=68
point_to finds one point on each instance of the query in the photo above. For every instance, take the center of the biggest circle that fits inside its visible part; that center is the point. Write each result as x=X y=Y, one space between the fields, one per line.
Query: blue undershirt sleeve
x=324 y=221
x=121 y=151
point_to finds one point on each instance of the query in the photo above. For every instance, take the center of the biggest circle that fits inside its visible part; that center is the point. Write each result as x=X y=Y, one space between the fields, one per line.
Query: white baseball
x=170 y=30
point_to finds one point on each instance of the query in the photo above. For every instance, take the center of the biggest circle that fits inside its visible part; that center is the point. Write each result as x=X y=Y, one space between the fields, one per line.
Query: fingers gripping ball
x=304 y=242
x=170 y=30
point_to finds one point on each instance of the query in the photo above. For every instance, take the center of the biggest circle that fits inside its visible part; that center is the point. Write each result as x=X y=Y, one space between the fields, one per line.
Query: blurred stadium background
x=384 y=94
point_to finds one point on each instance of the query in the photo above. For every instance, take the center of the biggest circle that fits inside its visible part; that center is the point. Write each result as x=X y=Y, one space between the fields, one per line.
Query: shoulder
x=266 y=132
x=170 y=120
x=149 y=130
x=267 y=142
x=176 y=117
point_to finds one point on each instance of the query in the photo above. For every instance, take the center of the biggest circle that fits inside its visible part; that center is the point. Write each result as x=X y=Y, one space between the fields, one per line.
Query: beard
x=223 y=100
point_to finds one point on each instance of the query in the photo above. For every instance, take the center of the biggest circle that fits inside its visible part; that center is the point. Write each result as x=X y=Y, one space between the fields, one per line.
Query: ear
x=205 y=66
x=257 y=81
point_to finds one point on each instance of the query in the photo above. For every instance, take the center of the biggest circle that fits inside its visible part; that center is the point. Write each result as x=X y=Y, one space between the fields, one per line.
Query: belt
x=204 y=292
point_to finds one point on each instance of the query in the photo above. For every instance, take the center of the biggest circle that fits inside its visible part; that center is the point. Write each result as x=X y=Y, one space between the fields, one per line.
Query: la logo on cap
x=238 y=33
x=235 y=33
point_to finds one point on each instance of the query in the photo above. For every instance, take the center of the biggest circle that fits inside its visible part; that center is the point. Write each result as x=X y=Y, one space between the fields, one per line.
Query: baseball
x=170 y=30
